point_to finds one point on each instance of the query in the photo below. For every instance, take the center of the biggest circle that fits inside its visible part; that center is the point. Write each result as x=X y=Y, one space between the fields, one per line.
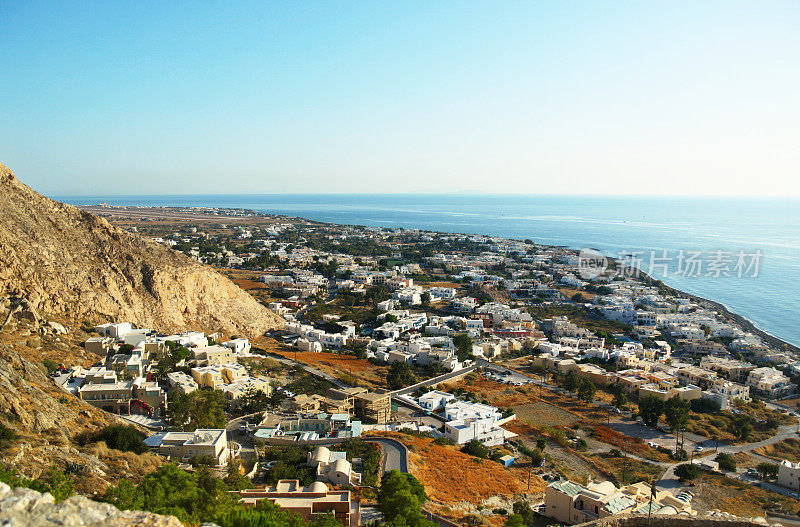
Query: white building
x=769 y=382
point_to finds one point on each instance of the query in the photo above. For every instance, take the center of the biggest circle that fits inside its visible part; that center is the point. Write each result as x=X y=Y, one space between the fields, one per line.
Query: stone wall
x=675 y=521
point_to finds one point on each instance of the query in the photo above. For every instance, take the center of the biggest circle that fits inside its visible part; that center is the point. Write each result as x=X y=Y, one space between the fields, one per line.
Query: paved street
x=396 y=457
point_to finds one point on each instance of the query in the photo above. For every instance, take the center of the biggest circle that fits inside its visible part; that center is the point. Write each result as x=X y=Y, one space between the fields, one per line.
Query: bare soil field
x=543 y=413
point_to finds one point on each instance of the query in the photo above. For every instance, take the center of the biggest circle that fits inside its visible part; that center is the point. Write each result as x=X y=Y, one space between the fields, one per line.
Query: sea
x=741 y=252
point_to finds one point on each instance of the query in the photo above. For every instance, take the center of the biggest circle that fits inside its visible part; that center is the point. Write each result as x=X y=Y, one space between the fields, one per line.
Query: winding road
x=395 y=454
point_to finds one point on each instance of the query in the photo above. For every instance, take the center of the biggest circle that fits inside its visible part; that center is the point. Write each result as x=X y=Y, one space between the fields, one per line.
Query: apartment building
x=733 y=370
x=769 y=382
x=125 y=397
x=212 y=355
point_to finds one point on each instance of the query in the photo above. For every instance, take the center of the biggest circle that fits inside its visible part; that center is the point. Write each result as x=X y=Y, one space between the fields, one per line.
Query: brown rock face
x=70 y=262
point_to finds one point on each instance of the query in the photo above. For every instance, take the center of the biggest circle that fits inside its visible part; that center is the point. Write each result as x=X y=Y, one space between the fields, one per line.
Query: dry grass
x=541 y=413
x=717 y=424
x=361 y=371
x=627 y=470
x=788 y=449
x=632 y=445
x=715 y=491
x=450 y=476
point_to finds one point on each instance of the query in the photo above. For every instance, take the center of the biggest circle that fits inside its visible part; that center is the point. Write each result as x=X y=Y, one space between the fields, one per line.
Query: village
x=468 y=345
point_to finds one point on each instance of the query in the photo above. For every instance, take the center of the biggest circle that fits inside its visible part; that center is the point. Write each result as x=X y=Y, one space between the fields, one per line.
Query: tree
x=235 y=480
x=426 y=299
x=620 y=399
x=536 y=457
x=523 y=509
x=767 y=470
x=400 y=375
x=515 y=520
x=687 y=472
x=726 y=462
x=586 y=390
x=253 y=401
x=400 y=499
x=650 y=409
x=676 y=412
x=541 y=443
x=571 y=380
x=741 y=427
x=463 y=344
x=199 y=409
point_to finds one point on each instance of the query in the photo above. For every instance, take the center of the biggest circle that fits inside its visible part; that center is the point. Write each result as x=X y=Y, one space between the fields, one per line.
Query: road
x=435 y=380
x=396 y=456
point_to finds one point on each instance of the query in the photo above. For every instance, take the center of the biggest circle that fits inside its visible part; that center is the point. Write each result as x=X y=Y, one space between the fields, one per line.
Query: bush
x=50 y=365
x=7 y=435
x=680 y=455
x=726 y=462
x=687 y=472
x=124 y=438
x=56 y=482
x=476 y=449
x=444 y=441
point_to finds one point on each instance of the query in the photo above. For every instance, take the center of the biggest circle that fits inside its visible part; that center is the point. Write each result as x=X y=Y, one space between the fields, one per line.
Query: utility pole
x=650 y=508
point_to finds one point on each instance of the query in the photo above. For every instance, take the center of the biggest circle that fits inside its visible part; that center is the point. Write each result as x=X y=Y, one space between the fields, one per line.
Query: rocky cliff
x=69 y=262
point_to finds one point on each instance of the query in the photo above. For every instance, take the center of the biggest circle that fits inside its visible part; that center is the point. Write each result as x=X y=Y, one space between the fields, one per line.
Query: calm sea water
x=612 y=225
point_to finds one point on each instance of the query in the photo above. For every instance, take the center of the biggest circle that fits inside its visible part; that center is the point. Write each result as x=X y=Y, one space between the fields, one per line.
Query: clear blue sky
x=535 y=97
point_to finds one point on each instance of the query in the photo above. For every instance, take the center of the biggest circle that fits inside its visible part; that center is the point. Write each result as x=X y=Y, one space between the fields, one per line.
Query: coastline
x=746 y=324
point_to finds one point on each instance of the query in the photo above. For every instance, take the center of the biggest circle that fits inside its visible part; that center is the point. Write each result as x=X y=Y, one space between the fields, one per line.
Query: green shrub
x=7 y=435
x=122 y=437
x=726 y=462
x=476 y=449
x=50 y=365
x=687 y=472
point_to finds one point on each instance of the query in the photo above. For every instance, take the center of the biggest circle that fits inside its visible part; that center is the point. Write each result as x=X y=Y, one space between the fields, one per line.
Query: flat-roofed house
x=213 y=355
x=99 y=345
x=183 y=446
x=307 y=502
x=571 y=503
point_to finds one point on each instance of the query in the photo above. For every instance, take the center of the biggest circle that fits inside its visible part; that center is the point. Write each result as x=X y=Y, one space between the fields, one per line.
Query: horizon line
x=440 y=194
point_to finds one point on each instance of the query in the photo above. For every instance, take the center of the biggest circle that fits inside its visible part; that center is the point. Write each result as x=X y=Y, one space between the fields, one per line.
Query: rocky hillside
x=68 y=262
x=24 y=507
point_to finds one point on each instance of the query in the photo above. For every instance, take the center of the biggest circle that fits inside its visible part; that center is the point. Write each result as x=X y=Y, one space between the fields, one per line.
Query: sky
x=615 y=97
